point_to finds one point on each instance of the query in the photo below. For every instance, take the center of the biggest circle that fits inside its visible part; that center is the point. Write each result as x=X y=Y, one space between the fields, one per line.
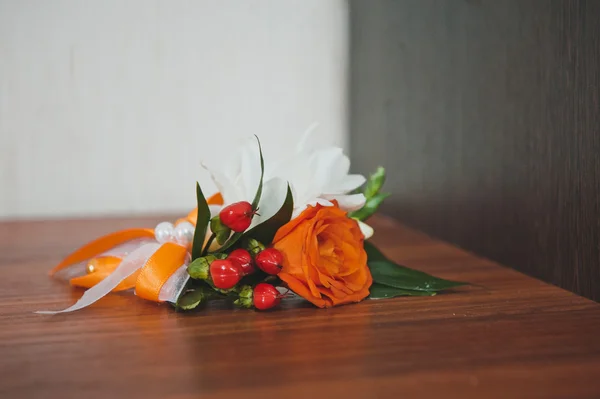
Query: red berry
x=237 y=216
x=269 y=260
x=225 y=274
x=265 y=296
x=243 y=260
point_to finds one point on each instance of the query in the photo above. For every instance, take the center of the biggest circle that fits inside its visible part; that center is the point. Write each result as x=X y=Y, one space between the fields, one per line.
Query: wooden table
x=509 y=337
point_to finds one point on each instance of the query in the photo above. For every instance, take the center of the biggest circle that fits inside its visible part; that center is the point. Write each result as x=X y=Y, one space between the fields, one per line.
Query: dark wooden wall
x=487 y=116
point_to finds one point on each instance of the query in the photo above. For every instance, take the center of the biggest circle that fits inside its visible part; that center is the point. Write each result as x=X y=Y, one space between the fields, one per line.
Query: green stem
x=208 y=243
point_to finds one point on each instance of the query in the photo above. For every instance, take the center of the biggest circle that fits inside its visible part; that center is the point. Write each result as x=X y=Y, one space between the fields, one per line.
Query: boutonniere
x=293 y=226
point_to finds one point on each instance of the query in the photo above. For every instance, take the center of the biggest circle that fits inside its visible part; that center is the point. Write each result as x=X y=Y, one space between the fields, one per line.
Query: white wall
x=107 y=105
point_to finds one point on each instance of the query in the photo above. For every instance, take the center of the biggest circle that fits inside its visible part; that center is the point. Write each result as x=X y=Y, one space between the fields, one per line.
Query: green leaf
x=375 y=182
x=201 y=223
x=370 y=207
x=265 y=231
x=380 y=291
x=262 y=174
x=393 y=275
x=374 y=254
x=372 y=195
x=386 y=272
x=190 y=299
x=236 y=236
x=222 y=237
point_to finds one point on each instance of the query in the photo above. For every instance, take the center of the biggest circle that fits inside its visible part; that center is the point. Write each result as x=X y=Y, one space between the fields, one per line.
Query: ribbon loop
x=157 y=270
x=102 y=245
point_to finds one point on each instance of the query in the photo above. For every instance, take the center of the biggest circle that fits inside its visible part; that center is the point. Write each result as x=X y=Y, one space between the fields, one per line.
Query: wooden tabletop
x=510 y=336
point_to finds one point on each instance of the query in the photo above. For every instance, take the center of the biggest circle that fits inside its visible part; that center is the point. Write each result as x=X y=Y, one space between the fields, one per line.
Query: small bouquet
x=293 y=226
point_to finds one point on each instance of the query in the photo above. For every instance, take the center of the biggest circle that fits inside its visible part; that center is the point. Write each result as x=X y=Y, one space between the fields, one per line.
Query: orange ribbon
x=149 y=280
x=157 y=270
x=101 y=245
x=98 y=269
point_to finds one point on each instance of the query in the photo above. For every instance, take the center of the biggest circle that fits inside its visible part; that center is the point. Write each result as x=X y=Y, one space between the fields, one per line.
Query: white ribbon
x=173 y=287
x=130 y=264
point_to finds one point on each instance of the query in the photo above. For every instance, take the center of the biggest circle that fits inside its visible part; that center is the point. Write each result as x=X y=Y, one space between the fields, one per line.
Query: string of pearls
x=182 y=234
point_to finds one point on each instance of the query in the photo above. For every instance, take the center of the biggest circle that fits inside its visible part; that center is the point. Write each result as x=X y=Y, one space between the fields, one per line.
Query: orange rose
x=324 y=258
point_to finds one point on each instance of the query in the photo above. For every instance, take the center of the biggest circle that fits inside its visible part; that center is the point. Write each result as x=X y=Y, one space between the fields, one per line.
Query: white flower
x=237 y=179
x=317 y=175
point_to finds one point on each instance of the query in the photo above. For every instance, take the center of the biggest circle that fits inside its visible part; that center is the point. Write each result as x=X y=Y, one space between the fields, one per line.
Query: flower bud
x=245 y=297
x=237 y=216
x=253 y=246
x=243 y=259
x=225 y=274
x=269 y=261
x=221 y=231
x=199 y=268
x=265 y=296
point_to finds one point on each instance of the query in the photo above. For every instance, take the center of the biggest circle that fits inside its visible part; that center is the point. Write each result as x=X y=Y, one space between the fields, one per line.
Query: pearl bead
x=164 y=232
x=90 y=268
x=184 y=233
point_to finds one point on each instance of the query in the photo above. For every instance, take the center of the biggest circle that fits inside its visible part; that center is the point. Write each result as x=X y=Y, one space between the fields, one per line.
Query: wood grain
x=486 y=115
x=509 y=336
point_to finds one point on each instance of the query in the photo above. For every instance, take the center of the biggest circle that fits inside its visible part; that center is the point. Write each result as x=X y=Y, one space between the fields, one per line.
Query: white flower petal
x=347 y=184
x=250 y=170
x=271 y=200
x=316 y=175
x=328 y=165
x=225 y=185
x=341 y=168
x=321 y=201
x=312 y=202
x=298 y=211
x=308 y=140
x=350 y=202
x=366 y=229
